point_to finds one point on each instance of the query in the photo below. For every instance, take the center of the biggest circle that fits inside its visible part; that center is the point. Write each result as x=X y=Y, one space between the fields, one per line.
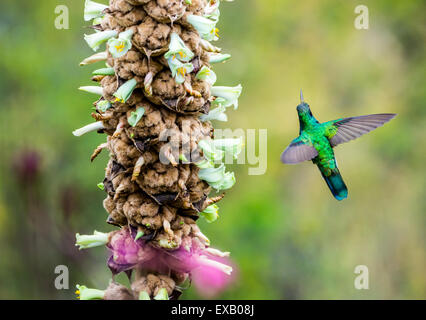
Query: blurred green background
x=289 y=237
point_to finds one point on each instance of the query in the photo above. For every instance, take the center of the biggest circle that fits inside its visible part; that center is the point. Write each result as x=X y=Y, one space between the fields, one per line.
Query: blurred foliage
x=287 y=234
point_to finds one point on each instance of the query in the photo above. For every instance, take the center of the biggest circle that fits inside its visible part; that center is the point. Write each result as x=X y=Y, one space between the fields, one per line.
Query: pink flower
x=209 y=268
x=126 y=253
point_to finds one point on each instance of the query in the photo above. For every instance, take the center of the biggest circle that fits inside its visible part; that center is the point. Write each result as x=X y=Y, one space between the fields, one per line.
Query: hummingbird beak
x=301 y=96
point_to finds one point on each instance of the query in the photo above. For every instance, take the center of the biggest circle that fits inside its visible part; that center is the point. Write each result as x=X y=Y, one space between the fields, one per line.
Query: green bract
x=103 y=105
x=178 y=49
x=179 y=69
x=207 y=74
x=136 y=116
x=211 y=213
x=89 y=241
x=104 y=72
x=125 y=91
x=227 y=96
x=96 y=39
x=143 y=295
x=119 y=47
x=93 y=10
x=205 y=27
x=162 y=295
x=89 y=294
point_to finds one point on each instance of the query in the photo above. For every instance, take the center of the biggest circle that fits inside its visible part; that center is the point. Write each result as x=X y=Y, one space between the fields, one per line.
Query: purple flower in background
x=27 y=166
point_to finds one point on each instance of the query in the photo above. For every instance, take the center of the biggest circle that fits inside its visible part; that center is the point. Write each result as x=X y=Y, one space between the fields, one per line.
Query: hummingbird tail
x=336 y=184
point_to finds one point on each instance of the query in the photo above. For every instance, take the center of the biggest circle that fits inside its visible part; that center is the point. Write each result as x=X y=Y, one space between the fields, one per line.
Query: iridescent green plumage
x=316 y=142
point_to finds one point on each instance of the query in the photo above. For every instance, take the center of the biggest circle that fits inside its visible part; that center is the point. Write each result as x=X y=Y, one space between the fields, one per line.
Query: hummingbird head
x=303 y=108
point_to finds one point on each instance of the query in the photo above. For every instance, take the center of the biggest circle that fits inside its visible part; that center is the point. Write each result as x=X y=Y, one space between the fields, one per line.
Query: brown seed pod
x=116 y=291
x=151 y=284
x=165 y=11
x=177 y=97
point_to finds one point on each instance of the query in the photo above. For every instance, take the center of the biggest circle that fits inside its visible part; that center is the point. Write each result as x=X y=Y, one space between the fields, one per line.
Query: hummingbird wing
x=298 y=151
x=347 y=129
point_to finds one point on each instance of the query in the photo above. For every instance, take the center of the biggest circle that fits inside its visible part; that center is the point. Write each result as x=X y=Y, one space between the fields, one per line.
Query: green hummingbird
x=316 y=142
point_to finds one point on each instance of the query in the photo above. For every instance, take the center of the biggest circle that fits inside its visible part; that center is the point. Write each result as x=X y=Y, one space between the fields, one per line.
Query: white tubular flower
x=95 y=126
x=217 y=253
x=97 y=21
x=218 y=57
x=211 y=213
x=230 y=146
x=94 y=58
x=209 y=47
x=85 y=293
x=125 y=91
x=217 y=178
x=214 y=151
x=90 y=241
x=92 y=89
x=210 y=152
x=93 y=10
x=178 y=49
x=226 y=183
x=227 y=96
x=205 y=27
x=119 y=47
x=179 y=69
x=207 y=74
x=212 y=11
x=215 y=114
x=215 y=264
x=95 y=40
x=136 y=116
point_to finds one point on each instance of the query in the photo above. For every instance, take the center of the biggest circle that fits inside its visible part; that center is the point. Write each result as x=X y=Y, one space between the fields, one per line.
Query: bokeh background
x=288 y=236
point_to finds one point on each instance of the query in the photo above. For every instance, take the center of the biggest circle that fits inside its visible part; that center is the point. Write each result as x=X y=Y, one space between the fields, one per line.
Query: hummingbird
x=316 y=142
